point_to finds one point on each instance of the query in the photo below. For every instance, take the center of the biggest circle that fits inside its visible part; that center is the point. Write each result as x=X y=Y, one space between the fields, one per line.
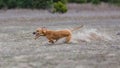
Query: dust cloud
x=90 y=35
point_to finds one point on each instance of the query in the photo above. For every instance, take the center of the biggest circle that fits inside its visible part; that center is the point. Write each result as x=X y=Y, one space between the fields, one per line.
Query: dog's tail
x=77 y=28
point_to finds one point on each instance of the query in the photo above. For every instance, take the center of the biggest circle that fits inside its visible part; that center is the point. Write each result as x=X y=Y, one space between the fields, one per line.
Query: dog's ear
x=44 y=30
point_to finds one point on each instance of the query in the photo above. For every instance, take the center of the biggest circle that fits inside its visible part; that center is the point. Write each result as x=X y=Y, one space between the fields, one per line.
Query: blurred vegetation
x=24 y=4
x=55 y=5
x=59 y=7
x=116 y=2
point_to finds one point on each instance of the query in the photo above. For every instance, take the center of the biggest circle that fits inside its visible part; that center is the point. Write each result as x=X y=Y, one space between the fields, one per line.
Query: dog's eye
x=37 y=31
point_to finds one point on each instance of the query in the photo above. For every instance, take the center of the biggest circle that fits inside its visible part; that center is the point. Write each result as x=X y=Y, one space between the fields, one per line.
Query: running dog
x=55 y=35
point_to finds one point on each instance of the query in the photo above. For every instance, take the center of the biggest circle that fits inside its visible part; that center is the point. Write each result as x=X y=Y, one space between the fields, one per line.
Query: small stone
x=118 y=33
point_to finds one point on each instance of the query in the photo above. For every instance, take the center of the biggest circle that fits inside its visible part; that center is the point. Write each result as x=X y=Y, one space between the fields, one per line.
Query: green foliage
x=60 y=7
x=40 y=3
x=49 y=4
x=24 y=3
x=78 y=1
x=117 y=2
x=63 y=1
x=43 y=4
x=57 y=5
x=95 y=1
x=1 y=4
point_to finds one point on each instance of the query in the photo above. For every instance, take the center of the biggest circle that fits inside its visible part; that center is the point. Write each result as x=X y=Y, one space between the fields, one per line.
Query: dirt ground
x=18 y=49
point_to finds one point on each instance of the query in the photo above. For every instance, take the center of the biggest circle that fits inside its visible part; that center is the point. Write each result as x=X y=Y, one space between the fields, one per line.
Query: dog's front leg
x=51 y=41
x=56 y=40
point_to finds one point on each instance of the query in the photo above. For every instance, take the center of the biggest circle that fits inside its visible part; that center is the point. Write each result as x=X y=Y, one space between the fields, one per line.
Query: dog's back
x=58 y=33
x=64 y=32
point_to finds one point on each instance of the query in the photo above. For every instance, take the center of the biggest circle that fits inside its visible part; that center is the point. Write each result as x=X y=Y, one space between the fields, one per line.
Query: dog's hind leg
x=68 y=39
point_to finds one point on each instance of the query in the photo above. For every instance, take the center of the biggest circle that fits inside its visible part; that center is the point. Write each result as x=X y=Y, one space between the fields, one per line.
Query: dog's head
x=40 y=32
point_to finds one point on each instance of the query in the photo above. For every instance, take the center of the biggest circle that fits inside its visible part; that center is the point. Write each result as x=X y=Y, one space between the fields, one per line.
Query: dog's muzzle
x=34 y=32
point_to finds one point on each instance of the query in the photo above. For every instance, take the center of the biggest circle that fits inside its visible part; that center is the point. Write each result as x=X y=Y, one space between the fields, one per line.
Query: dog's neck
x=48 y=32
x=45 y=33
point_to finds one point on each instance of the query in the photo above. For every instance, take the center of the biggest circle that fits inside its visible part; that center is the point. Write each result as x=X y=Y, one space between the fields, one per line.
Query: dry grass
x=18 y=49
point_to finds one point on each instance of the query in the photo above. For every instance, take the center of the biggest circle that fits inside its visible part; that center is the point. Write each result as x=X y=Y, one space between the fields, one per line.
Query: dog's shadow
x=58 y=44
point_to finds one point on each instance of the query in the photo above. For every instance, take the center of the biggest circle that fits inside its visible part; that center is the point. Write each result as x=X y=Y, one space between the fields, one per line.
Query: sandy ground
x=96 y=45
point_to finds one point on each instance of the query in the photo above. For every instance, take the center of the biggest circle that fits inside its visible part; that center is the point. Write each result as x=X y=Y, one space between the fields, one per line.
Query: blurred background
x=52 y=5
